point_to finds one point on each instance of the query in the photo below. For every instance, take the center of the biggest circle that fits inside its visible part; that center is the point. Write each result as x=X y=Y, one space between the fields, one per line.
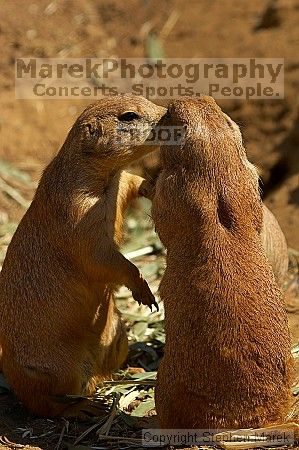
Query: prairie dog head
x=114 y=130
x=210 y=138
x=210 y=156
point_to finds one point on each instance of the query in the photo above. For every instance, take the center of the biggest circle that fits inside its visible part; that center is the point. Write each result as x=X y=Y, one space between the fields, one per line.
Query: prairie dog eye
x=128 y=116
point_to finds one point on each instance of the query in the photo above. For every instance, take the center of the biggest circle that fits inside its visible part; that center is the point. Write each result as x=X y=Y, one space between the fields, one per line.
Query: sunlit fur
x=227 y=360
x=60 y=331
x=273 y=239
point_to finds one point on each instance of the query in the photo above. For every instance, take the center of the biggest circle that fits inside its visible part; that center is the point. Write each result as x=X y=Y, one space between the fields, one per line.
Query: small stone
x=31 y=34
x=3 y=217
x=51 y=8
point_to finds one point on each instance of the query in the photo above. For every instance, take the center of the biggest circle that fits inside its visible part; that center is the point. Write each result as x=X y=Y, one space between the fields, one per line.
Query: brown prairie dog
x=275 y=246
x=60 y=331
x=273 y=239
x=227 y=354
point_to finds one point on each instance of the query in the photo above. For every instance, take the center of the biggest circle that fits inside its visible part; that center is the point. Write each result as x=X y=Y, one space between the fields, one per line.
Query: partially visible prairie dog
x=273 y=239
x=60 y=331
x=227 y=354
x=275 y=246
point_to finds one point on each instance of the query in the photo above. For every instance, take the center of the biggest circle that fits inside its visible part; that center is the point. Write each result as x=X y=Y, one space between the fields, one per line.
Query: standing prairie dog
x=60 y=331
x=227 y=354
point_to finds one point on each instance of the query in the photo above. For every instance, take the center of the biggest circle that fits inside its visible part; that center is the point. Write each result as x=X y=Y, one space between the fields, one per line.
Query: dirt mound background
x=32 y=131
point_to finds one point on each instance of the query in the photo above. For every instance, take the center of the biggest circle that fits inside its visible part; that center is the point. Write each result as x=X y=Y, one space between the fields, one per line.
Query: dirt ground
x=33 y=130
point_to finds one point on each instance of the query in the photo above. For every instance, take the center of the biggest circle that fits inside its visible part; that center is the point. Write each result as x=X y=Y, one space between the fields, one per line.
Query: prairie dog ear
x=93 y=130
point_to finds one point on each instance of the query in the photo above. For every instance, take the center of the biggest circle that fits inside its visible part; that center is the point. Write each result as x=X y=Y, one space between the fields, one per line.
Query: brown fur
x=60 y=331
x=275 y=246
x=227 y=360
x=273 y=239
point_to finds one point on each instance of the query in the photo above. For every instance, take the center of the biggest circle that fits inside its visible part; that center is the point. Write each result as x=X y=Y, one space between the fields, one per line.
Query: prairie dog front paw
x=147 y=189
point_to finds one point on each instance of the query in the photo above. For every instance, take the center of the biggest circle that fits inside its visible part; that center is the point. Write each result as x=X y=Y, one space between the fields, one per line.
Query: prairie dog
x=227 y=354
x=275 y=245
x=273 y=239
x=60 y=331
